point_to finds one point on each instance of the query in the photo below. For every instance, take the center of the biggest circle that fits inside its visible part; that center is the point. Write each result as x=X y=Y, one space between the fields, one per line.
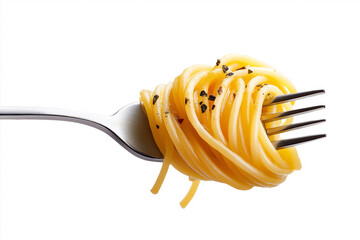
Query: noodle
x=207 y=125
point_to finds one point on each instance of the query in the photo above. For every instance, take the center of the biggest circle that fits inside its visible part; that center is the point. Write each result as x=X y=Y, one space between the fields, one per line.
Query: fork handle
x=37 y=113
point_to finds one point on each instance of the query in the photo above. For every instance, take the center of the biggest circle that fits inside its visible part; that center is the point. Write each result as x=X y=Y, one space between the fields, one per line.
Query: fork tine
x=291 y=97
x=267 y=117
x=290 y=127
x=286 y=143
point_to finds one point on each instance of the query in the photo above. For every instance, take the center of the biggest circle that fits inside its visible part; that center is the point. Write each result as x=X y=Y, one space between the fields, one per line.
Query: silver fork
x=130 y=128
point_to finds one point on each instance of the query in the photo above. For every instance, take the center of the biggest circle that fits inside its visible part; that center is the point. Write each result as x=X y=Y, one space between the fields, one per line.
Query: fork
x=130 y=128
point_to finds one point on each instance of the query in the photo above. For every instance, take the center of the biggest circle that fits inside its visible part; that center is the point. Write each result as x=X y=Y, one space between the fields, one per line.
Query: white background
x=68 y=181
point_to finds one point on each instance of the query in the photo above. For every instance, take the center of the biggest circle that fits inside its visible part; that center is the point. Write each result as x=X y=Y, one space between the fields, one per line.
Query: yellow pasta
x=207 y=124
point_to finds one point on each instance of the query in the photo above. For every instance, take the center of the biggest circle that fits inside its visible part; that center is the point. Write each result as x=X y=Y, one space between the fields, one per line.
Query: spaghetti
x=207 y=125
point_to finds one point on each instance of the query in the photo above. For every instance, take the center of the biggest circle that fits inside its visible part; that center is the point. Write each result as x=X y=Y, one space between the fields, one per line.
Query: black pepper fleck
x=218 y=62
x=180 y=120
x=229 y=74
x=220 y=90
x=212 y=98
x=186 y=100
x=203 y=108
x=249 y=71
x=225 y=68
x=213 y=107
x=203 y=94
x=155 y=98
x=201 y=102
x=157 y=126
x=234 y=94
x=241 y=68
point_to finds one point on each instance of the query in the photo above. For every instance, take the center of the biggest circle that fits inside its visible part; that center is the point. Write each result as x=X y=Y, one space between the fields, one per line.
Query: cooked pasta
x=207 y=124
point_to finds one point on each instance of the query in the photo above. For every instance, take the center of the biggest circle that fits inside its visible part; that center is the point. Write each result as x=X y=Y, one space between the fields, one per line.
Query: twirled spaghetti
x=207 y=124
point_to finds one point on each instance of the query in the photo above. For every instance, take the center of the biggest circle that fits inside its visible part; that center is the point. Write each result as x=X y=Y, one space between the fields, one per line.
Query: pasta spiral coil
x=207 y=124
